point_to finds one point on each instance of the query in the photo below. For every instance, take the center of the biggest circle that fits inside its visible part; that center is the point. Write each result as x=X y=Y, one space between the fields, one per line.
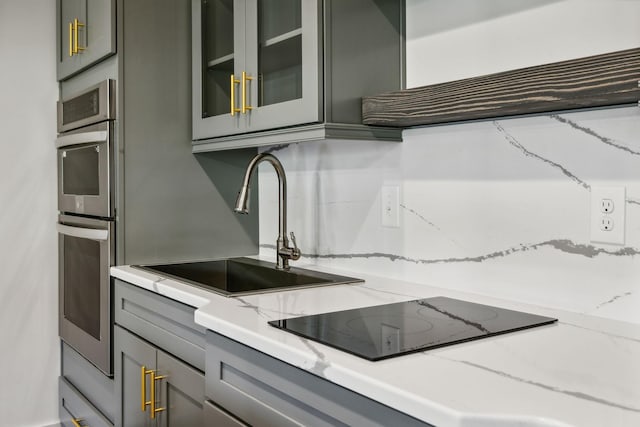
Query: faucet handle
x=295 y=252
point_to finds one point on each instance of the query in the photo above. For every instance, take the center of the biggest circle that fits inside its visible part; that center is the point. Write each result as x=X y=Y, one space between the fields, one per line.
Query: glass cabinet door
x=218 y=56
x=279 y=51
x=218 y=52
x=282 y=54
x=256 y=65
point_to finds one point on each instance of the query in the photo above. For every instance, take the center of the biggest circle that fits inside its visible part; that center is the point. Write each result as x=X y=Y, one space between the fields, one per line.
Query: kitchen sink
x=245 y=276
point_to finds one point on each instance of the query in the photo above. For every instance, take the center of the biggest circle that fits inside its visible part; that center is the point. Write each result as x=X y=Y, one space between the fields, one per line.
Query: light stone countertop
x=580 y=371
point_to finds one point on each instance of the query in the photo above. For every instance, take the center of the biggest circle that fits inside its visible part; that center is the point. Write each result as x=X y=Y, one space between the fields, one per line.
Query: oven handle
x=81 y=138
x=82 y=233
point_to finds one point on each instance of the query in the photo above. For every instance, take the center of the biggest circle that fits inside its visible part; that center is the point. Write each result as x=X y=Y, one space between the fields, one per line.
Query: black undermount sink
x=245 y=276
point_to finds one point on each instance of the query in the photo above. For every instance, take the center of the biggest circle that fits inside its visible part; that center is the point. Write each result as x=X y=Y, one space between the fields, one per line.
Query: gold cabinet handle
x=245 y=107
x=76 y=422
x=70 y=38
x=76 y=47
x=143 y=388
x=234 y=82
x=155 y=378
x=152 y=391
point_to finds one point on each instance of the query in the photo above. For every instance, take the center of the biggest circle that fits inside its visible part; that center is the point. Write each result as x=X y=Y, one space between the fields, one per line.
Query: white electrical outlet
x=606 y=223
x=606 y=206
x=390 y=202
x=608 y=214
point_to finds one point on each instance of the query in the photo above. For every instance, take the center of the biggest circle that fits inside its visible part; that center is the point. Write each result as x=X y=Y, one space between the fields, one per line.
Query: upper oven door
x=85 y=176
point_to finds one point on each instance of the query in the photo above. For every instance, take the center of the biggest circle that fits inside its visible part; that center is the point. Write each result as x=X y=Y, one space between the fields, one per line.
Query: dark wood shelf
x=594 y=81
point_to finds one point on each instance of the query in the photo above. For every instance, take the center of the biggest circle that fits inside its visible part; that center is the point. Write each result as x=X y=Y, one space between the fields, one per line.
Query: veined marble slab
x=496 y=207
x=581 y=371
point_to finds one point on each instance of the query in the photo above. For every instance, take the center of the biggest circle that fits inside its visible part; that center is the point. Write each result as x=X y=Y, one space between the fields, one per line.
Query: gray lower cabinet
x=75 y=410
x=247 y=387
x=158 y=360
x=153 y=387
x=160 y=355
x=215 y=416
x=166 y=323
x=89 y=381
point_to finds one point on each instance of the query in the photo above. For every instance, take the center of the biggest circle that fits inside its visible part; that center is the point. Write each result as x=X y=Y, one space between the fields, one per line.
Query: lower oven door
x=86 y=251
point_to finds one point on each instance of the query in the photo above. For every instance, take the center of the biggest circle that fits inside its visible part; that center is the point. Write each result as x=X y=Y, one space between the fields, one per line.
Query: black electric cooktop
x=390 y=330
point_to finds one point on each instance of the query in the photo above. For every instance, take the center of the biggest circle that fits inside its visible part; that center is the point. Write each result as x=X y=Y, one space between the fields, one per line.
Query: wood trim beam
x=594 y=81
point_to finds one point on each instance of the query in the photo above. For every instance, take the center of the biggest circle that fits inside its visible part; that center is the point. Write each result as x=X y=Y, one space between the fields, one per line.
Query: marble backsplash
x=496 y=207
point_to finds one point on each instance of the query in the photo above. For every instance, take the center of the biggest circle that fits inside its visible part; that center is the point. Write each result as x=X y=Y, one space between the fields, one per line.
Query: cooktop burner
x=390 y=330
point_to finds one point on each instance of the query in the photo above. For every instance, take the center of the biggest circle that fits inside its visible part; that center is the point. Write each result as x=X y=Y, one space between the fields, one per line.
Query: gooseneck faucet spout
x=284 y=252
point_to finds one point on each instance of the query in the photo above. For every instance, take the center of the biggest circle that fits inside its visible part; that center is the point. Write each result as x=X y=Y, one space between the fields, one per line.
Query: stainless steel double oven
x=86 y=222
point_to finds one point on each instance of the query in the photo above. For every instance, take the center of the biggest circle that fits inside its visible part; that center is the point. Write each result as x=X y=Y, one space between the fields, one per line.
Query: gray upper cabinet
x=259 y=65
x=85 y=34
x=272 y=71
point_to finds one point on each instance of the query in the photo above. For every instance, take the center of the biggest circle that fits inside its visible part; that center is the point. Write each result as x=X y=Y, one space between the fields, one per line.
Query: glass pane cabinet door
x=256 y=65
x=218 y=52
x=282 y=56
x=279 y=51
x=218 y=56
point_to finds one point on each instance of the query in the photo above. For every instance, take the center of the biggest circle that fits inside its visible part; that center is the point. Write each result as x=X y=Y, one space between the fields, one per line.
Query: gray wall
x=177 y=206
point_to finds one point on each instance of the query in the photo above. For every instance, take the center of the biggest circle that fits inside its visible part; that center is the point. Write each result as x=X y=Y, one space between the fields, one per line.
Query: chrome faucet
x=284 y=252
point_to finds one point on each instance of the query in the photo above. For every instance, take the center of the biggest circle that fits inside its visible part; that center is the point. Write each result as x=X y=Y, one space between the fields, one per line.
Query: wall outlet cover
x=390 y=203
x=608 y=214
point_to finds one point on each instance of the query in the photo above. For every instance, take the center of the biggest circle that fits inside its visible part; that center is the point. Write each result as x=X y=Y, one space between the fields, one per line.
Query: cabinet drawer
x=260 y=390
x=216 y=417
x=166 y=323
x=88 y=380
x=74 y=406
